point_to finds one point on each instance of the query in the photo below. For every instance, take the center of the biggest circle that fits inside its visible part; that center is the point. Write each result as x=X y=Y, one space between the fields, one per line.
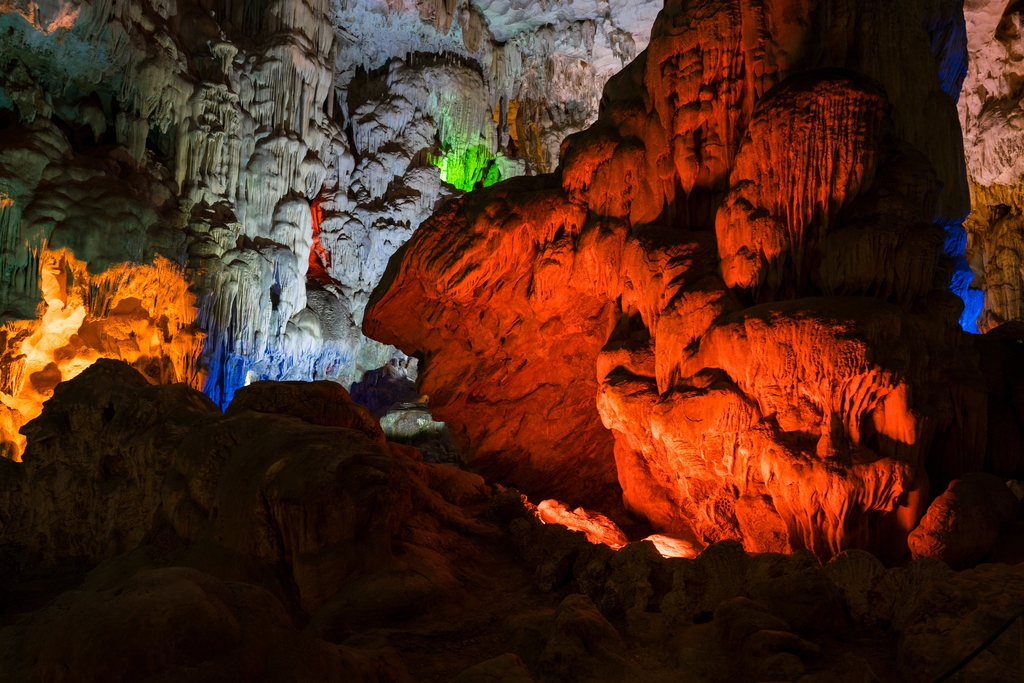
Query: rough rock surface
x=294 y=489
x=556 y=376
x=990 y=115
x=79 y=501
x=203 y=627
x=286 y=540
x=752 y=261
x=962 y=524
x=321 y=403
x=955 y=616
x=276 y=154
x=596 y=527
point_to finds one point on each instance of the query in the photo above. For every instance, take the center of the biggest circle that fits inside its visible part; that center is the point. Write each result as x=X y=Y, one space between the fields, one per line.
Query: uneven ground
x=287 y=540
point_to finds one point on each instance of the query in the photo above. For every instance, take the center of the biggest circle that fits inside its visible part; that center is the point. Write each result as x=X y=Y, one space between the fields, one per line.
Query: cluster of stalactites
x=252 y=153
x=441 y=93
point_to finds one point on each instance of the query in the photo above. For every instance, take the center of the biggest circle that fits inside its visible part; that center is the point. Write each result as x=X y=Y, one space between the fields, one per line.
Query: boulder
x=699 y=586
x=854 y=573
x=324 y=501
x=89 y=484
x=761 y=639
x=412 y=424
x=322 y=403
x=962 y=524
x=807 y=600
x=584 y=646
x=895 y=593
x=740 y=618
x=639 y=577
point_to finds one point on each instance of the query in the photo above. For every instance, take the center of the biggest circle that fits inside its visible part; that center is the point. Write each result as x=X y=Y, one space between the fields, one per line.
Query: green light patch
x=469 y=168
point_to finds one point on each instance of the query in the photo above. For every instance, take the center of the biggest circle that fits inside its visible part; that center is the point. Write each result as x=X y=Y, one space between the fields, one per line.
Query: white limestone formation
x=552 y=58
x=992 y=117
x=278 y=151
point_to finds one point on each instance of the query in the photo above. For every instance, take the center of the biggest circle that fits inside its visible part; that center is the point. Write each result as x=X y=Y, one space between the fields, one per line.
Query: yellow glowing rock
x=142 y=314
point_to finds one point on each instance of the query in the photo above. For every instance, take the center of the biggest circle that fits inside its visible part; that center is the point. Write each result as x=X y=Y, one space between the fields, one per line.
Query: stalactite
x=239 y=96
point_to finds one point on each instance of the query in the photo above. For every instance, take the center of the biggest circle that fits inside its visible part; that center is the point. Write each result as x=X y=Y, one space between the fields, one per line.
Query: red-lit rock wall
x=731 y=296
x=510 y=340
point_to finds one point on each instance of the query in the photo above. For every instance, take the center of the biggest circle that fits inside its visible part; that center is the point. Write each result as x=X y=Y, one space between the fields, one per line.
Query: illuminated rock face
x=990 y=113
x=204 y=131
x=141 y=314
x=523 y=403
x=738 y=271
x=87 y=271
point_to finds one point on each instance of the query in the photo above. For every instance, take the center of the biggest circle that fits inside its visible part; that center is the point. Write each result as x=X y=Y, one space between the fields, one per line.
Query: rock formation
x=989 y=113
x=963 y=524
x=713 y=335
x=329 y=491
x=275 y=155
x=287 y=539
x=125 y=299
x=733 y=294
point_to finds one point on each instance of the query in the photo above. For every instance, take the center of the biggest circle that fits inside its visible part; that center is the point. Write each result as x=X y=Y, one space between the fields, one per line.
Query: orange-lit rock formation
x=546 y=362
x=731 y=296
x=142 y=314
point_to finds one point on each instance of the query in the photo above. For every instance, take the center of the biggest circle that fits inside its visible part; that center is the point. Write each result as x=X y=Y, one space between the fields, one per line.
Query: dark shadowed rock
x=506 y=668
x=89 y=484
x=320 y=403
x=955 y=616
x=962 y=524
x=177 y=624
